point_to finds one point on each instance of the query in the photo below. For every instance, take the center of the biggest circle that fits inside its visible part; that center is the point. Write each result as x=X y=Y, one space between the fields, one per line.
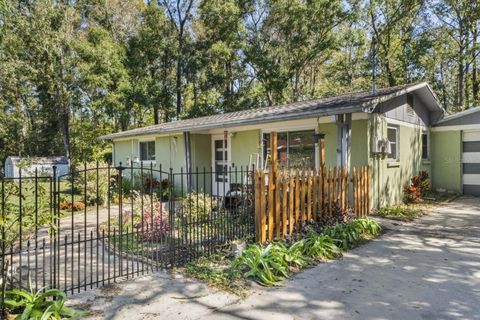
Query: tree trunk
x=178 y=86
x=461 y=82
x=475 y=83
x=65 y=120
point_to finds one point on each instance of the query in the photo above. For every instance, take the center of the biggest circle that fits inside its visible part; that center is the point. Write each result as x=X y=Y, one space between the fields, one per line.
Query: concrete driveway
x=429 y=269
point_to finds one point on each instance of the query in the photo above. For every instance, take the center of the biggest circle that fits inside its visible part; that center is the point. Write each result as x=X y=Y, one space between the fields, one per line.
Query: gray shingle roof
x=465 y=117
x=345 y=103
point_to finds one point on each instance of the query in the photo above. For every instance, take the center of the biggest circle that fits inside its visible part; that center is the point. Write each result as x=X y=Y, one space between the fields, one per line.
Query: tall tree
x=180 y=13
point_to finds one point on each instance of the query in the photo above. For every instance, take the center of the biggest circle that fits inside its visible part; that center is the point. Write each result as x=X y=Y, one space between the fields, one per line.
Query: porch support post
x=344 y=124
x=188 y=159
x=273 y=151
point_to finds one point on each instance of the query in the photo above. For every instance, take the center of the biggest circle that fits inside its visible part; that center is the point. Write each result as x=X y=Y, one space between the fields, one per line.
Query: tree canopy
x=73 y=70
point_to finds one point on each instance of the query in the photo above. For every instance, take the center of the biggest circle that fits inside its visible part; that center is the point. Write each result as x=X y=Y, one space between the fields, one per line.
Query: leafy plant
x=266 y=265
x=41 y=305
x=293 y=255
x=156 y=224
x=95 y=185
x=320 y=246
x=347 y=235
x=417 y=188
x=197 y=205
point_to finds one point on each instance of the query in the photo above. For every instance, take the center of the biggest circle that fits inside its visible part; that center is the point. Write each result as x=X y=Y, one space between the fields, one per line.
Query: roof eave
x=236 y=123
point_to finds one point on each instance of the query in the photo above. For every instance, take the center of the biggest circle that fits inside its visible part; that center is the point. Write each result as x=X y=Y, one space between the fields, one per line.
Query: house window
x=147 y=151
x=295 y=149
x=425 y=146
x=393 y=138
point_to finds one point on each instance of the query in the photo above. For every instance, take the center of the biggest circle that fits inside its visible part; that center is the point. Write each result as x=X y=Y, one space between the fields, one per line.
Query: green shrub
x=293 y=255
x=197 y=206
x=367 y=227
x=86 y=180
x=41 y=305
x=266 y=265
x=347 y=235
x=271 y=264
x=320 y=246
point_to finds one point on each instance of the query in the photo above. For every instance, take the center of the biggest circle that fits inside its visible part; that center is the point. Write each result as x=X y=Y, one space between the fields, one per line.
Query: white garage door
x=471 y=162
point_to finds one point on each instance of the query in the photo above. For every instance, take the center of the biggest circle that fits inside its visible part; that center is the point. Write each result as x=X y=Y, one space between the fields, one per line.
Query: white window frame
x=140 y=153
x=425 y=132
x=397 y=142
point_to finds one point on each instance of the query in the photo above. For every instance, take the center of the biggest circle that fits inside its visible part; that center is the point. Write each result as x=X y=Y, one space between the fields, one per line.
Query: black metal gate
x=102 y=223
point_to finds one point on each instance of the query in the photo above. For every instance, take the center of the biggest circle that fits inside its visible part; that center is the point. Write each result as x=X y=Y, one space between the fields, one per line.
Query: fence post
x=55 y=211
x=120 y=217
x=257 y=206
x=4 y=271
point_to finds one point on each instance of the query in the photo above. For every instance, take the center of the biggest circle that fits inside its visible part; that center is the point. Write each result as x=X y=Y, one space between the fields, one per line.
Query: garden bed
x=271 y=263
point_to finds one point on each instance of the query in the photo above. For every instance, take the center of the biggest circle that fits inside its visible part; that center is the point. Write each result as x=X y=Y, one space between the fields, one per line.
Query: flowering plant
x=417 y=188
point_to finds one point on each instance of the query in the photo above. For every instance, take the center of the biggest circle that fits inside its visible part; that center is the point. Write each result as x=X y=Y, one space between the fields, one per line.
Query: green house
x=388 y=130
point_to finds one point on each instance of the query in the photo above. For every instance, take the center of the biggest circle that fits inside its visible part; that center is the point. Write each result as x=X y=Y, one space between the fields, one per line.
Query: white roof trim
x=457 y=128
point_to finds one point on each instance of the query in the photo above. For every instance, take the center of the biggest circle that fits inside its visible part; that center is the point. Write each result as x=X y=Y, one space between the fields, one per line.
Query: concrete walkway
x=429 y=269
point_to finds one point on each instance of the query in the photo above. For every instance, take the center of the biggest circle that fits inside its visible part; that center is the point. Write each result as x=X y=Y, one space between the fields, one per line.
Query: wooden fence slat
x=309 y=191
x=342 y=188
x=361 y=191
x=314 y=194
x=364 y=196
x=347 y=188
x=297 y=198
x=263 y=203
x=302 y=196
x=330 y=191
x=354 y=187
x=284 y=203
x=257 y=207
x=270 y=205
x=277 y=204
x=291 y=201
x=369 y=193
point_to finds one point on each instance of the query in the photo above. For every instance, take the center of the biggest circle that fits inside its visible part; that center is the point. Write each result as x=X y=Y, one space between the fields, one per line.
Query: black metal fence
x=102 y=223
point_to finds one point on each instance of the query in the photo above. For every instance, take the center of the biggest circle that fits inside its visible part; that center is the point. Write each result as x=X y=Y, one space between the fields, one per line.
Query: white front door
x=220 y=164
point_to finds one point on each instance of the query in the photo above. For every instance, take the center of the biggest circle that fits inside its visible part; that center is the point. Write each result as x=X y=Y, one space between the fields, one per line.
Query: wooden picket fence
x=285 y=199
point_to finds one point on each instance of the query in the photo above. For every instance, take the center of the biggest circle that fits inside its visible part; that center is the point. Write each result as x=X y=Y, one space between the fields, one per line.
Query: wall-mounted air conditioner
x=382 y=146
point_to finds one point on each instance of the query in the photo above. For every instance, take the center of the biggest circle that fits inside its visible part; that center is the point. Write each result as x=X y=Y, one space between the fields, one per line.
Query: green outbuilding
x=456 y=153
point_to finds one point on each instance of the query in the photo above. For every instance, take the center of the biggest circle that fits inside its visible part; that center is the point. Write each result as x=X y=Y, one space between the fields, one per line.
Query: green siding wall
x=201 y=145
x=123 y=152
x=446 y=154
x=244 y=144
x=390 y=177
x=330 y=131
x=359 y=143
